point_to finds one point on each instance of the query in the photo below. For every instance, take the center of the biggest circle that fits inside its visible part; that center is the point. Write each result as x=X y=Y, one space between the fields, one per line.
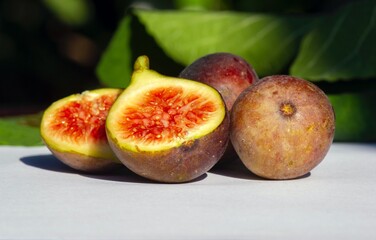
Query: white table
x=40 y=198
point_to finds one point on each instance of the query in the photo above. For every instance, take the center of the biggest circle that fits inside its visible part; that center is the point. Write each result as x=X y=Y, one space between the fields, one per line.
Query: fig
x=228 y=73
x=73 y=128
x=282 y=127
x=167 y=129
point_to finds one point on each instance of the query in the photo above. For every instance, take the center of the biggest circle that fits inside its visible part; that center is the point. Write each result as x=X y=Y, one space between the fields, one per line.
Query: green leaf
x=174 y=39
x=341 y=46
x=268 y=42
x=355 y=108
x=355 y=116
x=20 y=131
x=114 y=68
x=200 y=5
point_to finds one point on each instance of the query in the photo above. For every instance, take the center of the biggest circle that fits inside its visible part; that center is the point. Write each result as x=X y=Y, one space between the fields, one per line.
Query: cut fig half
x=73 y=128
x=167 y=129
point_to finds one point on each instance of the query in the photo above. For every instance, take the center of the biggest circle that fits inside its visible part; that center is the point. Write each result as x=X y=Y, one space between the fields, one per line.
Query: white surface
x=40 y=198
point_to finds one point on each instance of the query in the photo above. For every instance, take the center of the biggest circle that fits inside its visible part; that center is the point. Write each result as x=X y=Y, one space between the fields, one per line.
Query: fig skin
x=282 y=127
x=228 y=73
x=85 y=163
x=179 y=164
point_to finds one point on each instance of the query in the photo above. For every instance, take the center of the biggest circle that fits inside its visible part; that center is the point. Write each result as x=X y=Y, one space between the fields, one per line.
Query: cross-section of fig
x=73 y=128
x=167 y=129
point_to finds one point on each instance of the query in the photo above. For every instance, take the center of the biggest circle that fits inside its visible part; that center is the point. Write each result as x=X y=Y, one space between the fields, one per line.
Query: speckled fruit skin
x=180 y=164
x=282 y=127
x=228 y=73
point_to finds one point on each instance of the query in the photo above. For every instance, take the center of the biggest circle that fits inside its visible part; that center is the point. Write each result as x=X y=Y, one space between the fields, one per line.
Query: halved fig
x=73 y=128
x=167 y=129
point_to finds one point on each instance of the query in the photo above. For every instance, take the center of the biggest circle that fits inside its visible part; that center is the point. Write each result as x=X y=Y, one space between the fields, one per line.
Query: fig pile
x=175 y=129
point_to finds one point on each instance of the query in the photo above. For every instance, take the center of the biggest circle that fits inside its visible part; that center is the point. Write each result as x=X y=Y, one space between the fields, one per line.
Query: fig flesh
x=167 y=129
x=73 y=128
x=282 y=127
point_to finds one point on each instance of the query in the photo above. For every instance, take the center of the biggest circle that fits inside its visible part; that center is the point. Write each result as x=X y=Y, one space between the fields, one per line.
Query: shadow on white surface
x=122 y=174
x=47 y=162
x=126 y=175
x=235 y=168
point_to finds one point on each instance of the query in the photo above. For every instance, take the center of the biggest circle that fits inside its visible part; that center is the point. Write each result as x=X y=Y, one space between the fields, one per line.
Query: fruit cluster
x=175 y=129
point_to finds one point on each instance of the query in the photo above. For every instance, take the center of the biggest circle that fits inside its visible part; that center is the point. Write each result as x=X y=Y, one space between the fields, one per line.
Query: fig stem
x=142 y=63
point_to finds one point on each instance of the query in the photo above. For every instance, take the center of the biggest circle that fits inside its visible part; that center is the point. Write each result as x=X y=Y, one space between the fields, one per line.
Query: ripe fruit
x=282 y=127
x=226 y=72
x=73 y=128
x=167 y=129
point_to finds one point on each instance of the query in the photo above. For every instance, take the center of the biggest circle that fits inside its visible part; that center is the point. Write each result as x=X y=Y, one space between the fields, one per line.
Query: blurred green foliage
x=72 y=12
x=52 y=48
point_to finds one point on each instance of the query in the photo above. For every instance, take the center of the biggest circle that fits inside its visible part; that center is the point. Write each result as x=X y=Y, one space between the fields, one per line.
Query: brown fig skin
x=85 y=163
x=282 y=127
x=228 y=73
x=180 y=164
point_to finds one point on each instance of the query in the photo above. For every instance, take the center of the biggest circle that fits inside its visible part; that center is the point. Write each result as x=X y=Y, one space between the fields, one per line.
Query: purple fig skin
x=228 y=73
x=282 y=127
x=180 y=164
x=84 y=163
